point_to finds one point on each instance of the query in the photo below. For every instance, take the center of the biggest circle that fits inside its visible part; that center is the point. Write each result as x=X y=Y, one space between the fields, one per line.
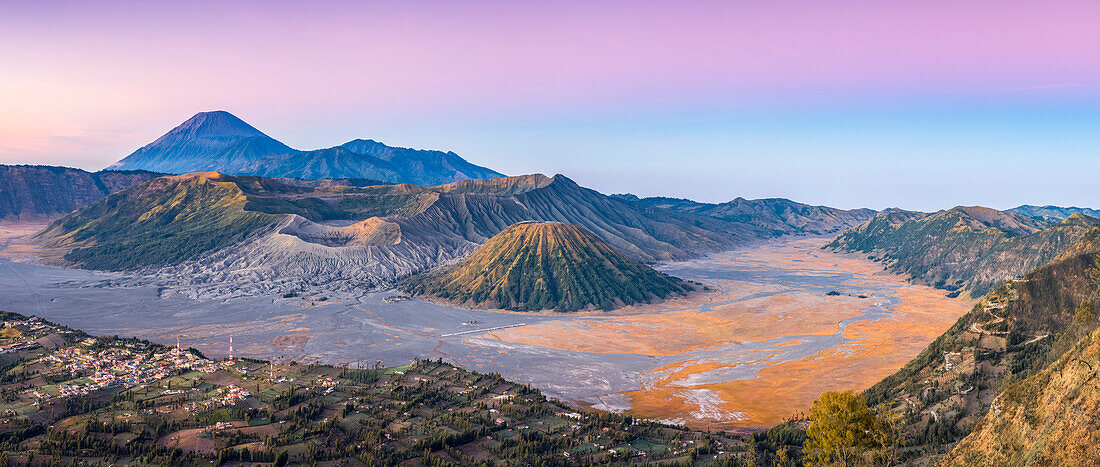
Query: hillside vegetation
x=1012 y=333
x=968 y=250
x=165 y=221
x=216 y=232
x=1050 y=418
x=75 y=399
x=542 y=265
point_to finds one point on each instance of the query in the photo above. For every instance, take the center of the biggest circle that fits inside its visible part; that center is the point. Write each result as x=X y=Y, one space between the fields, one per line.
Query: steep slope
x=206 y=142
x=1055 y=213
x=1012 y=333
x=44 y=192
x=534 y=266
x=776 y=216
x=1050 y=418
x=965 y=249
x=220 y=142
x=438 y=225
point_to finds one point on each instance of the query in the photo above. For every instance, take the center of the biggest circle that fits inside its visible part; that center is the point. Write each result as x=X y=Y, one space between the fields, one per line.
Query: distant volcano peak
x=218 y=141
x=217 y=123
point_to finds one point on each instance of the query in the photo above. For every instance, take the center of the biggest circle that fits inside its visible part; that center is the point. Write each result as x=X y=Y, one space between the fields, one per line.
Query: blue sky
x=851 y=103
x=915 y=155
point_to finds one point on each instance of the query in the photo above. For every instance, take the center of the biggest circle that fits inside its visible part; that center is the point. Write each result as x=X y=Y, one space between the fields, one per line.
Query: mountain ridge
x=781 y=216
x=1011 y=334
x=1053 y=212
x=965 y=249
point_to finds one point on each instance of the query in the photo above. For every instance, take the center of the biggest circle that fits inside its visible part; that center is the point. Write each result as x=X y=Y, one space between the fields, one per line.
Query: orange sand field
x=780 y=388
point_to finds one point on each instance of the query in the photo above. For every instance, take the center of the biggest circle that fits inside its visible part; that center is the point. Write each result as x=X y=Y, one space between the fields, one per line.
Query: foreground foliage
x=843 y=430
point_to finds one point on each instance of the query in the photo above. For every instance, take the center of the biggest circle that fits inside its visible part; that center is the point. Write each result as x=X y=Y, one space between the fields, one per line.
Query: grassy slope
x=535 y=266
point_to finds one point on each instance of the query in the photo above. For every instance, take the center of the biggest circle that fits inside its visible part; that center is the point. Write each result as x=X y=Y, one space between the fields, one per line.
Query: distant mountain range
x=220 y=142
x=532 y=266
x=775 y=215
x=42 y=192
x=1053 y=212
x=964 y=249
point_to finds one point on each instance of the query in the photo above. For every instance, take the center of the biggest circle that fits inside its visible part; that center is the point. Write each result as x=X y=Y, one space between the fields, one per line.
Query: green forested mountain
x=546 y=265
x=969 y=250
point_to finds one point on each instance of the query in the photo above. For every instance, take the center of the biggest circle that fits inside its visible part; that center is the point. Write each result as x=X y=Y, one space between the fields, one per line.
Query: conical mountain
x=546 y=265
x=209 y=141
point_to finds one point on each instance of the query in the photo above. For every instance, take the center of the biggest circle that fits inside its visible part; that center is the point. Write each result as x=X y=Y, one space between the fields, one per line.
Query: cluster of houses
x=118 y=366
x=222 y=397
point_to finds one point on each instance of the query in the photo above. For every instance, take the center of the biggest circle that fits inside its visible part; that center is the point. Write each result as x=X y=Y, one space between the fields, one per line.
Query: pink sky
x=85 y=83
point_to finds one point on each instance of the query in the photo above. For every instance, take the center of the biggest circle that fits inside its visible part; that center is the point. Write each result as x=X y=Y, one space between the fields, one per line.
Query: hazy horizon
x=918 y=105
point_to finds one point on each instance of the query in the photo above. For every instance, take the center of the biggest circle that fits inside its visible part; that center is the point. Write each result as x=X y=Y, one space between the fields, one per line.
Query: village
x=135 y=396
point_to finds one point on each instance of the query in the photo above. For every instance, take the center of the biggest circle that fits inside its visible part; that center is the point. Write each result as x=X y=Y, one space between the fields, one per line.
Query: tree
x=282 y=458
x=844 y=431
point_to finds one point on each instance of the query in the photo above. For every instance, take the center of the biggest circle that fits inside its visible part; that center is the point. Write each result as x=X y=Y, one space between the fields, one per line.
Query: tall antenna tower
x=178 y=344
x=230 y=346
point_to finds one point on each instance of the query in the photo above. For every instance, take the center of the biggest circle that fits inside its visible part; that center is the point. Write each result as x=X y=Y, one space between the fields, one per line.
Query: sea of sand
x=755 y=348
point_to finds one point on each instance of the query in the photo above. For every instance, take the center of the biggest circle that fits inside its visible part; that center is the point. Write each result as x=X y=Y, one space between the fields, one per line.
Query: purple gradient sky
x=923 y=105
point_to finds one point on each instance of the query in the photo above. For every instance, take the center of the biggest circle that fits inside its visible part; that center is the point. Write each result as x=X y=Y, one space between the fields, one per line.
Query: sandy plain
x=768 y=339
x=758 y=346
